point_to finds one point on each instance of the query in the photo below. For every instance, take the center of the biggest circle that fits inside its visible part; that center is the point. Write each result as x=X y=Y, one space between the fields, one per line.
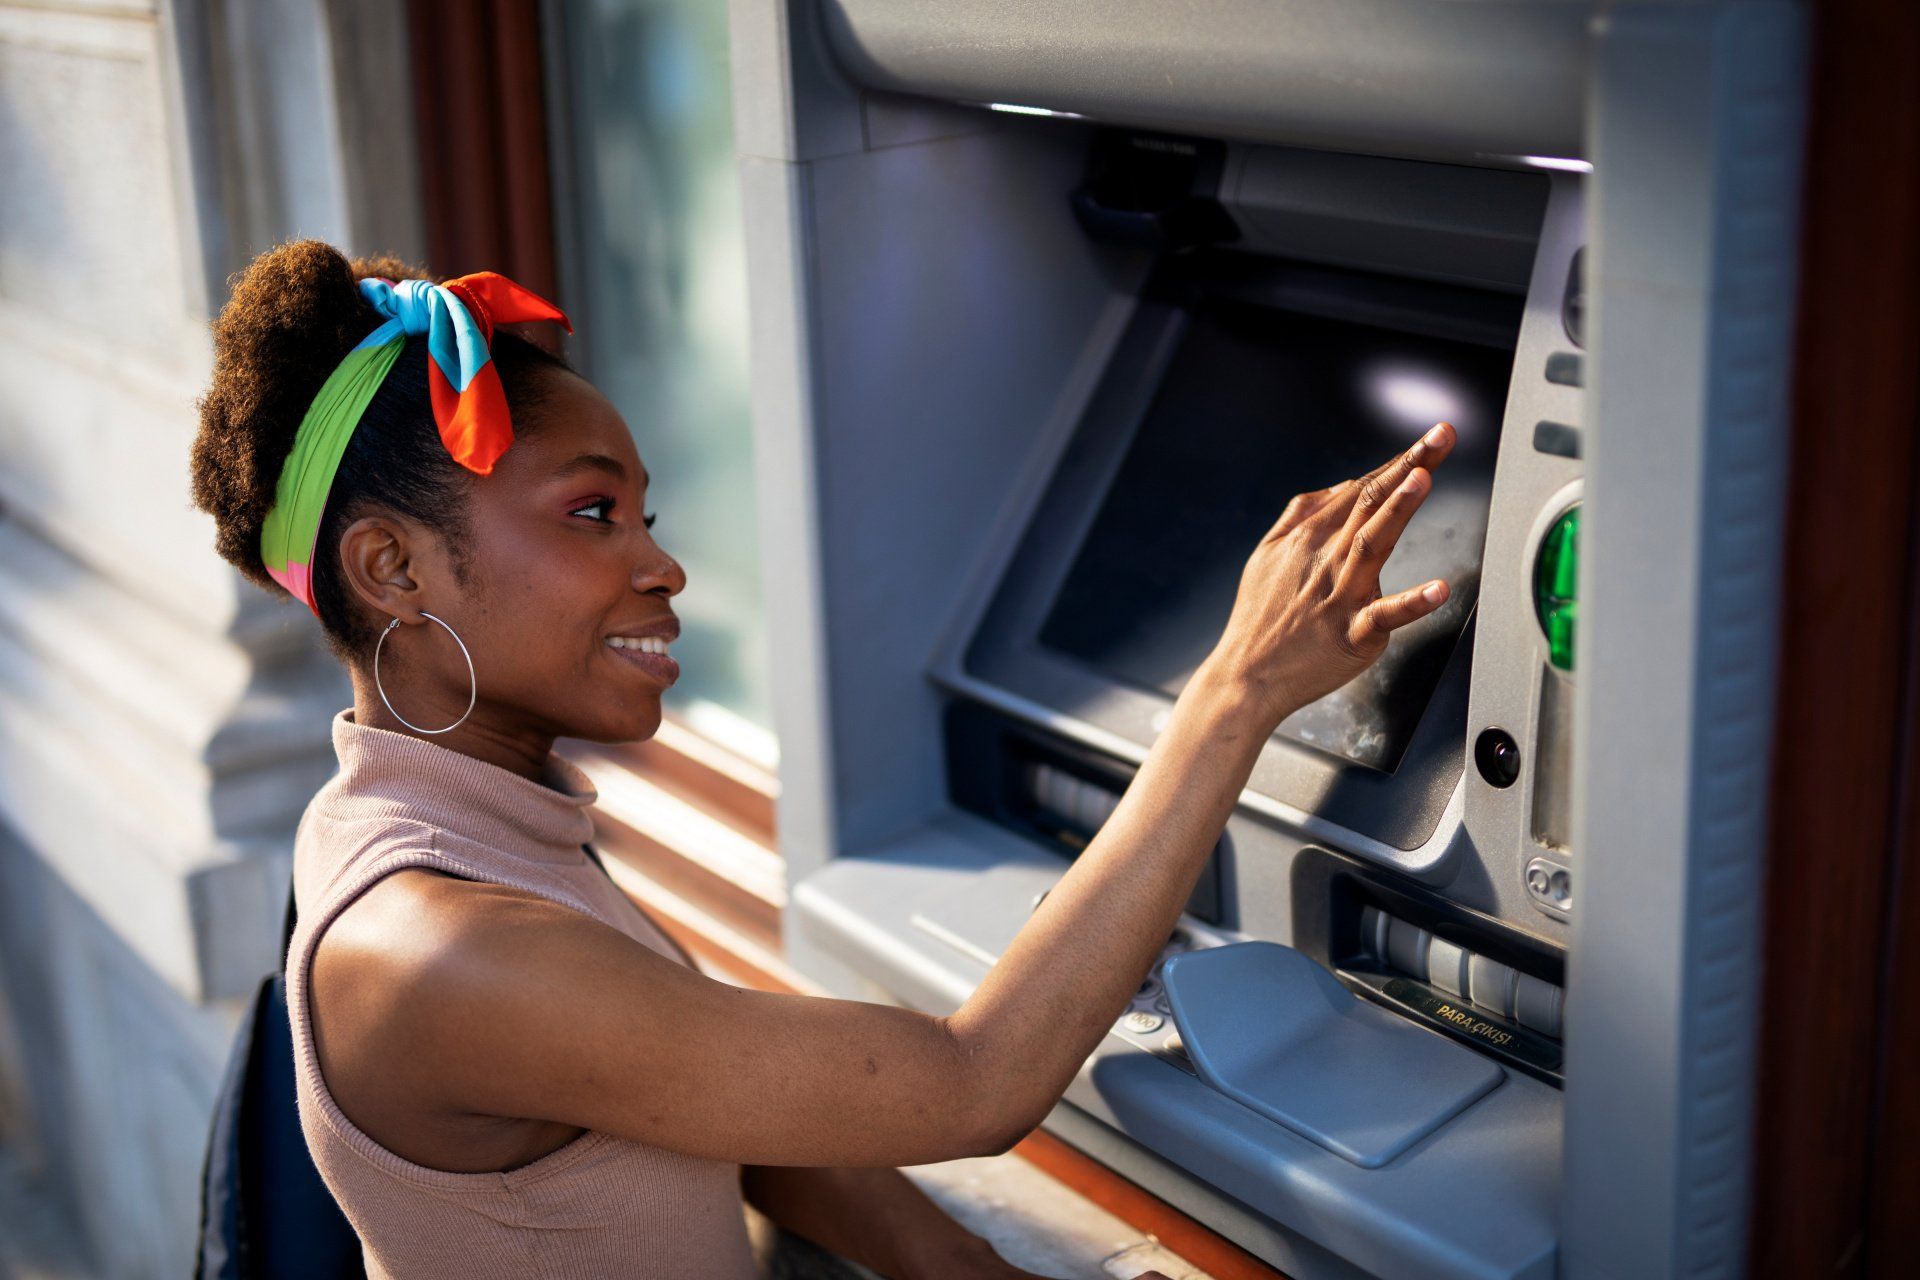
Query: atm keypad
x=1148 y=1021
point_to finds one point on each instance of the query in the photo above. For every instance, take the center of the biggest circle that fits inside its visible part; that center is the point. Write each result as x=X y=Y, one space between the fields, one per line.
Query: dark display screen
x=1257 y=405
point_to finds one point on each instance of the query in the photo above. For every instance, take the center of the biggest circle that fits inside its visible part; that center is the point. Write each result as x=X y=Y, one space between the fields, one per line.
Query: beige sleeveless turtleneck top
x=599 y=1206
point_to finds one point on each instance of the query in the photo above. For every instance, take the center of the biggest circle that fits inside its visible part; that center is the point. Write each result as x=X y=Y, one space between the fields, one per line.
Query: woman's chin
x=636 y=721
x=618 y=704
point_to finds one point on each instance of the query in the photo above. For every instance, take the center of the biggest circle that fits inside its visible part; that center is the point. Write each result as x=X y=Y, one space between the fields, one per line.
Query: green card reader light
x=1556 y=575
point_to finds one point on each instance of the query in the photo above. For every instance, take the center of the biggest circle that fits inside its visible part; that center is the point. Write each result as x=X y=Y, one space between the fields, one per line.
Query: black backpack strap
x=265 y=1212
x=286 y=926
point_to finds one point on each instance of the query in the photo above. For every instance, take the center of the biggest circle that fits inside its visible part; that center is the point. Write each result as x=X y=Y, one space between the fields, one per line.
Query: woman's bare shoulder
x=411 y=977
x=418 y=913
x=420 y=938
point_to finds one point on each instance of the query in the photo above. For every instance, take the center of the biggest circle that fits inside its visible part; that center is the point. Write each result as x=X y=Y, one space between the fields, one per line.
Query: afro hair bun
x=295 y=313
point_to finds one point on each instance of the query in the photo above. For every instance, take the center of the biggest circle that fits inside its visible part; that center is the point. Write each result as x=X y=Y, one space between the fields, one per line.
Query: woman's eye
x=598 y=509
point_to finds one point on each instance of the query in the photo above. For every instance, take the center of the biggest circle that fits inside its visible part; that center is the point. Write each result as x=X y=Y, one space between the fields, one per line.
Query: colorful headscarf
x=469 y=406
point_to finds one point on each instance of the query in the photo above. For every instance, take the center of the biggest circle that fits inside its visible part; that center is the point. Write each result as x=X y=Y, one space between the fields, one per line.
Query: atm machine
x=1054 y=307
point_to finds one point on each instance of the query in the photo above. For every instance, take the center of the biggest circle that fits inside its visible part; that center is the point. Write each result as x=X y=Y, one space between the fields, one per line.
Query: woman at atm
x=504 y=1068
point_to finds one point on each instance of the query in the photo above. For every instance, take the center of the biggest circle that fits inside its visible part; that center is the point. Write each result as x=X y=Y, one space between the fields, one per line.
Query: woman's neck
x=523 y=751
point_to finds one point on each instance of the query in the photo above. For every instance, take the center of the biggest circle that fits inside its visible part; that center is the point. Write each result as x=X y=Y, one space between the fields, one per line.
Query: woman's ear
x=378 y=557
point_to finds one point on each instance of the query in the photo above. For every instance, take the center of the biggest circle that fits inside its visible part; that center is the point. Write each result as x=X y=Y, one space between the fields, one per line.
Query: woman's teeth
x=645 y=644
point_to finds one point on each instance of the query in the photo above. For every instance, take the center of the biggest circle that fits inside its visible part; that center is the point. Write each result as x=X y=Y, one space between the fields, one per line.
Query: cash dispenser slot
x=1054 y=793
x=1464 y=974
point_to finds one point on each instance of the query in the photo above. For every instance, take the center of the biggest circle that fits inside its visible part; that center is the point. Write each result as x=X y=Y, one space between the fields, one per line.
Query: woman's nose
x=660 y=573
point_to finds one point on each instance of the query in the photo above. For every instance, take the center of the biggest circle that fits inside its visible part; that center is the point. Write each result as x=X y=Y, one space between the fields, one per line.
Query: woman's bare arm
x=500 y=1005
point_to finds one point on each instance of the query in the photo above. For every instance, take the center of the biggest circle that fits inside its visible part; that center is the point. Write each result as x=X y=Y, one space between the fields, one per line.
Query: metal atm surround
x=1689 y=112
x=927 y=913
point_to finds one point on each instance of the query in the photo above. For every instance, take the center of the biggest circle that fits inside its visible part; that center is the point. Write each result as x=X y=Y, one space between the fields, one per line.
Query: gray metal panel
x=1290 y=1252
x=789 y=100
x=1476 y=1200
x=1400 y=77
x=917 y=309
x=778 y=96
x=774 y=197
x=1451 y=222
x=1697 y=128
x=952 y=298
x=1510 y=652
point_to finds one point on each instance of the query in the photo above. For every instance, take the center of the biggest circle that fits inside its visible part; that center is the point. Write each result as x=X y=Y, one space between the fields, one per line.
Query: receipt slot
x=1054 y=306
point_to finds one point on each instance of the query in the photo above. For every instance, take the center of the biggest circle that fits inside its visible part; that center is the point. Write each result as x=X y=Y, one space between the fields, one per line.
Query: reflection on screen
x=1259 y=405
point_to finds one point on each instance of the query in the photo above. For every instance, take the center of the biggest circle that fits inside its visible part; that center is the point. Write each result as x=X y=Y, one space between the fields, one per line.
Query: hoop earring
x=471 y=677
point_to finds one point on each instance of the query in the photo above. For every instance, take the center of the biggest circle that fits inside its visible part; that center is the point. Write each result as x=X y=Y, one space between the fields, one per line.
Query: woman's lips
x=659 y=666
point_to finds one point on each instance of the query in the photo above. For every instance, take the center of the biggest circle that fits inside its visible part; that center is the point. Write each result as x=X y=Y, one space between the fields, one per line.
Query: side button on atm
x=1551 y=884
x=1564 y=369
x=1556 y=438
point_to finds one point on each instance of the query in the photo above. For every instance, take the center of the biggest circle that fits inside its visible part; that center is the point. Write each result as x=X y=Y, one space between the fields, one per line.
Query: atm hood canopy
x=1361 y=75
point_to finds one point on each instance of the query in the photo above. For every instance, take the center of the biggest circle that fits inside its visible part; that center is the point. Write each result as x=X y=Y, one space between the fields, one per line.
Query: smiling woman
x=503 y=1067
x=488 y=575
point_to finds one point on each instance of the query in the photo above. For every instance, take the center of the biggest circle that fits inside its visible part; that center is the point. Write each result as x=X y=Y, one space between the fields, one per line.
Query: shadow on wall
x=150 y=781
x=109 y=1077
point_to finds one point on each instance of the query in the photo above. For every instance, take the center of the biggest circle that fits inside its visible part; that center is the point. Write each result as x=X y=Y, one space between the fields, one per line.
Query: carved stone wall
x=162 y=723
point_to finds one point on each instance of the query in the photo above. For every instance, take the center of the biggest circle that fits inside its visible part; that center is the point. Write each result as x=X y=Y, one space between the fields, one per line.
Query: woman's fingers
x=1375 y=539
x=1373 y=624
x=1357 y=499
x=1302 y=506
x=1377 y=486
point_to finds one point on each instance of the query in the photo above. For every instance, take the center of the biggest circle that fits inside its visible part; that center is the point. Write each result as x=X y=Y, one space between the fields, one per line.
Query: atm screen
x=1257 y=405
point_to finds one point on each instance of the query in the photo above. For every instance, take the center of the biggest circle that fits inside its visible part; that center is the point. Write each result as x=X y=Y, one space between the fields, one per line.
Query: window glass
x=652 y=247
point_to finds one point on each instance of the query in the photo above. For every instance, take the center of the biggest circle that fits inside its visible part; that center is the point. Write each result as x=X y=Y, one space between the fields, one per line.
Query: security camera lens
x=1497 y=756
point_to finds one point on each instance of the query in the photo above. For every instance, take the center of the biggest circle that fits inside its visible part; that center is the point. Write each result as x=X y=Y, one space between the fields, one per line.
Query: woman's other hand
x=1309 y=615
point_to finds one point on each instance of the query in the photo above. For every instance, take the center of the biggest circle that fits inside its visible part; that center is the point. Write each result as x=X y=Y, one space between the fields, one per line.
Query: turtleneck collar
x=423 y=782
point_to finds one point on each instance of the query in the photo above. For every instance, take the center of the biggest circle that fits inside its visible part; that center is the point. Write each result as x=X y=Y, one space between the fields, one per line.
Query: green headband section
x=292 y=527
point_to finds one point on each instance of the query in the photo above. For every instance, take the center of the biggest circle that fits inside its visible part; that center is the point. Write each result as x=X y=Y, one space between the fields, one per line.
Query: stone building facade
x=162 y=722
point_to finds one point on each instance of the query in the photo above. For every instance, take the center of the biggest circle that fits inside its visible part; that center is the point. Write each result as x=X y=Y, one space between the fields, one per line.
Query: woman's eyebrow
x=591 y=462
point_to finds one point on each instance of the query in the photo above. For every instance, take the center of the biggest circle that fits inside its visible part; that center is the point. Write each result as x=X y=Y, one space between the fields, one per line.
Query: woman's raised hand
x=1309 y=615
